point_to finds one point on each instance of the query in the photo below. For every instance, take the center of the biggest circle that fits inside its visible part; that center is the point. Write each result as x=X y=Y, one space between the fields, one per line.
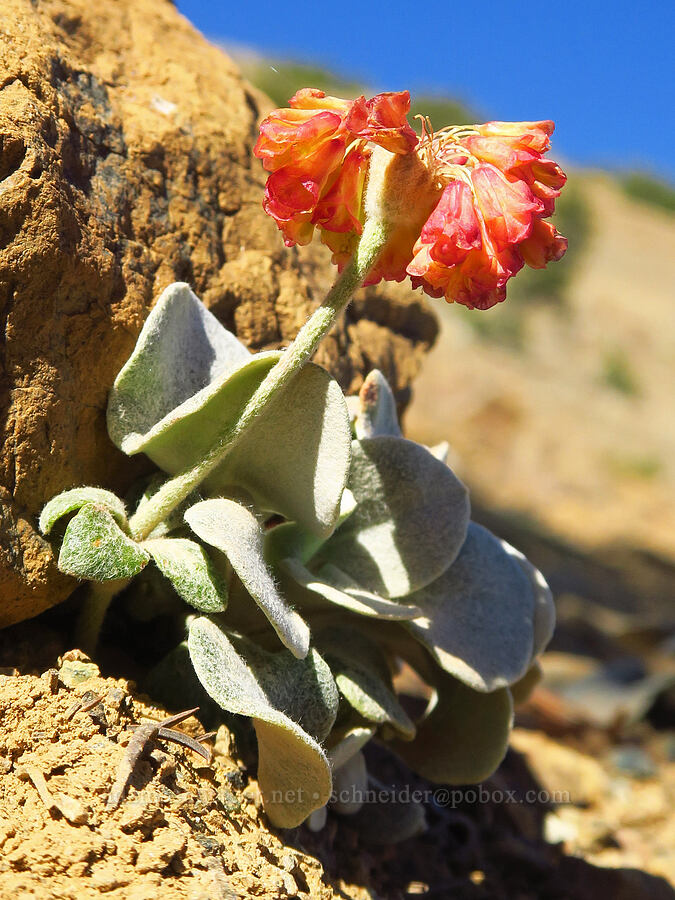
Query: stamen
x=447 y=141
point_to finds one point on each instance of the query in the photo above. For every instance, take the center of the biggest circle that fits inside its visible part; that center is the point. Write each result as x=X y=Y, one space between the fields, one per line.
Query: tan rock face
x=125 y=164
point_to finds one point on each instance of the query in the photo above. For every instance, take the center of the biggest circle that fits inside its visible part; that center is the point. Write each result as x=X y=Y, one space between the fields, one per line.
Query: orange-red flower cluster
x=481 y=214
x=317 y=154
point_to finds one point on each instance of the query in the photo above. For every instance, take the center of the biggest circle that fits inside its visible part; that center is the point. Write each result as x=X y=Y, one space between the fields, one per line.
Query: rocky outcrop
x=125 y=164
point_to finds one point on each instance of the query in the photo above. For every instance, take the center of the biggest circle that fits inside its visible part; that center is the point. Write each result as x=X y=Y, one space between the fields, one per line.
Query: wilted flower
x=465 y=206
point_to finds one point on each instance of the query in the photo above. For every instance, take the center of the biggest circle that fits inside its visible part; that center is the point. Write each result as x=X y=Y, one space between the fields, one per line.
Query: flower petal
x=543 y=245
x=508 y=208
x=532 y=135
x=340 y=207
x=383 y=121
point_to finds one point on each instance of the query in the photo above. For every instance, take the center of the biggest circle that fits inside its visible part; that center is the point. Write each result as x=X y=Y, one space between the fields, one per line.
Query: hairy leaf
x=334 y=586
x=235 y=531
x=182 y=348
x=350 y=783
x=544 y=607
x=285 y=698
x=295 y=461
x=291 y=540
x=522 y=689
x=363 y=678
x=70 y=501
x=347 y=744
x=96 y=549
x=477 y=617
x=410 y=521
x=377 y=408
x=464 y=736
x=186 y=384
x=190 y=571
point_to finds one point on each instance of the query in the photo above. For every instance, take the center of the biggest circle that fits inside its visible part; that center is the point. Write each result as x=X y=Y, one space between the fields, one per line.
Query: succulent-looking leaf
x=544 y=607
x=96 y=549
x=522 y=689
x=350 y=783
x=477 y=618
x=186 y=384
x=295 y=461
x=70 y=501
x=293 y=770
x=334 y=586
x=348 y=743
x=410 y=521
x=291 y=540
x=235 y=531
x=389 y=821
x=377 y=414
x=190 y=571
x=181 y=348
x=371 y=697
x=464 y=736
x=317 y=820
x=363 y=678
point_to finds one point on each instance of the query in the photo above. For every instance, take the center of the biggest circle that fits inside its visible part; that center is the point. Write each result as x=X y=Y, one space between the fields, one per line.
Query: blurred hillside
x=558 y=403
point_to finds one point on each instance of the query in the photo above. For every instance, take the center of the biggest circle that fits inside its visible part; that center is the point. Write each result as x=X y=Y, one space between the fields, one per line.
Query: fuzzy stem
x=176 y=489
x=95 y=603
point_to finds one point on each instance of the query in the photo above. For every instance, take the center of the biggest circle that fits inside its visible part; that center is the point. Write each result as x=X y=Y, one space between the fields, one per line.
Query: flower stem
x=176 y=489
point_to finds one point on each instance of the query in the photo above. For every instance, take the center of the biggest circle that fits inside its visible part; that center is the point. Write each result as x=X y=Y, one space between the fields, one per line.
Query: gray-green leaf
x=70 y=501
x=190 y=571
x=291 y=540
x=363 y=678
x=463 y=738
x=377 y=408
x=410 y=521
x=96 y=549
x=334 y=586
x=235 y=531
x=544 y=607
x=287 y=699
x=347 y=744
x=186 y=384
x=350 y=783
x=477 y=617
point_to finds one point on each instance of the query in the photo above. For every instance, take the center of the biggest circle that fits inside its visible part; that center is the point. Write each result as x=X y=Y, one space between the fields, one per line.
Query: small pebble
x=74 y=672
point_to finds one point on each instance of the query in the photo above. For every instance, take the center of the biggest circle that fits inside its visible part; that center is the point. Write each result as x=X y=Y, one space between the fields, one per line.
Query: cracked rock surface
x=125 y=164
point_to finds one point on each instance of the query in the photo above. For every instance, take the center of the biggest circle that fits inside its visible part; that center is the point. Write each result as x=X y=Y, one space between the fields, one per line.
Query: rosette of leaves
x=406 y=577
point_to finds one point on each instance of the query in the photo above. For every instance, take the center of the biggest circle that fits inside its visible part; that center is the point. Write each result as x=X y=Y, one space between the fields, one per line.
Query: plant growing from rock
x=318 y=550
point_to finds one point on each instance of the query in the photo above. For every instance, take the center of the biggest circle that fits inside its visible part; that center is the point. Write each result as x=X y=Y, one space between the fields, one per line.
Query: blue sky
x=602 y=70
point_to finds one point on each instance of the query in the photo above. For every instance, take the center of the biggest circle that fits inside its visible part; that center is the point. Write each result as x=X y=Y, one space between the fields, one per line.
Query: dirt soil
x=192 y=830
x=185 y=828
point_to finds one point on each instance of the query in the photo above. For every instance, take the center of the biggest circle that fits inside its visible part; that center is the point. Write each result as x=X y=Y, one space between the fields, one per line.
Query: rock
x=567 y=775
x=125 y=164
